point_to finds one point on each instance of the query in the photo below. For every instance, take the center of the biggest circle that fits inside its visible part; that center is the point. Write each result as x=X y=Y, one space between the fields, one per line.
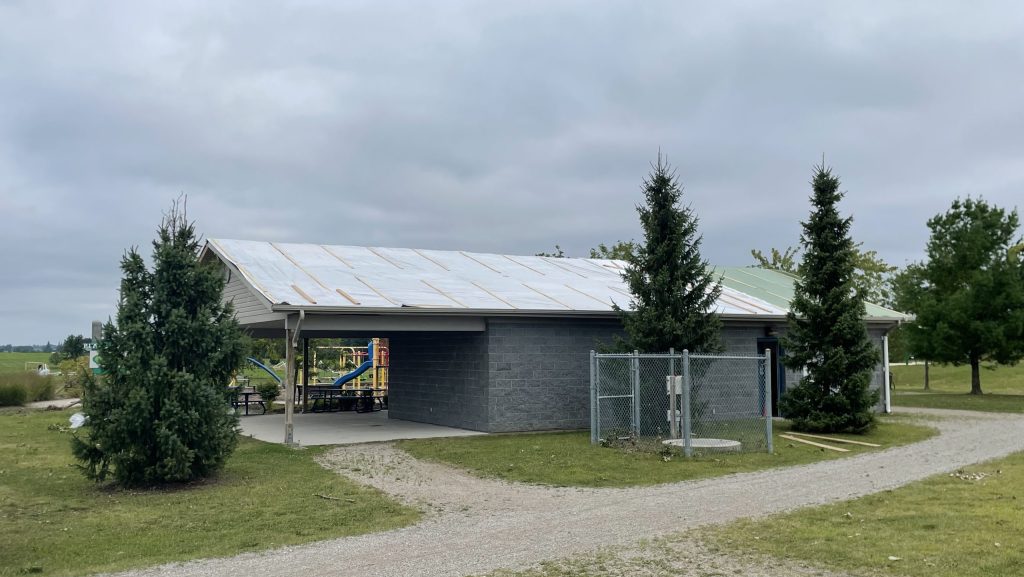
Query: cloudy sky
x=484 y=126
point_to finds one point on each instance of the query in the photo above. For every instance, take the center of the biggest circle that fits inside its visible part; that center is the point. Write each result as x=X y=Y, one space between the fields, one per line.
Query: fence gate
x=697 y=402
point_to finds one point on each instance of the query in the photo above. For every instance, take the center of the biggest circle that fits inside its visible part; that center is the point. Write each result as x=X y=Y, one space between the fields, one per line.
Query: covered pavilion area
x=344 y=428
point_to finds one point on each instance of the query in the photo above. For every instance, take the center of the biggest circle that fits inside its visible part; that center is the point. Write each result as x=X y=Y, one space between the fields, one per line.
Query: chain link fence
x=698 y=403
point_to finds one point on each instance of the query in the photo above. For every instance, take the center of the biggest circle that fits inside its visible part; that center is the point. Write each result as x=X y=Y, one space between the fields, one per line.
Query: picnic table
x=245 y=396
x=328 y=398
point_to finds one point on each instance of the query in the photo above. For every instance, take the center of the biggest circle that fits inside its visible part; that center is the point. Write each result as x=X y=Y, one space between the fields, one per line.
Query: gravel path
x=478 y=525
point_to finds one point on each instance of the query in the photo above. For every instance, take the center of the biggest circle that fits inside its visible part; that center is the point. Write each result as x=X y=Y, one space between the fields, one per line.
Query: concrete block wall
x=539 y=372
x=439 y=378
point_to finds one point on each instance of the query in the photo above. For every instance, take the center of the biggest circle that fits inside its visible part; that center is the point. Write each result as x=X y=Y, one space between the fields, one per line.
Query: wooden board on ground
x=822 y=445
x=837 y=440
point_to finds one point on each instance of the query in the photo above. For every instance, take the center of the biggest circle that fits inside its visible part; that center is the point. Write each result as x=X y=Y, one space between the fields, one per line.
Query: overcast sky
x=507 y=127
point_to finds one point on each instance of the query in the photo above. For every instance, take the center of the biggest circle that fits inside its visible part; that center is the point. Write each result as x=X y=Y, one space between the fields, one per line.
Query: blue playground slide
x=367 y=364
x=265 y=368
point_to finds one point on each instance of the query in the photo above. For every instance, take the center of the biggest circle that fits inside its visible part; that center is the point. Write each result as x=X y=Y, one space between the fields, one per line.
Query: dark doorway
x=776 y=372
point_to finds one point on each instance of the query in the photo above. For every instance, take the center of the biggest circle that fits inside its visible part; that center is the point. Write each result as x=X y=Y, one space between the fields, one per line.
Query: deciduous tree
x=968 y=297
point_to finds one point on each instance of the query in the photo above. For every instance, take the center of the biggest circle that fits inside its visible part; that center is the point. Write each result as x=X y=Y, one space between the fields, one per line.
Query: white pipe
x=887 y=395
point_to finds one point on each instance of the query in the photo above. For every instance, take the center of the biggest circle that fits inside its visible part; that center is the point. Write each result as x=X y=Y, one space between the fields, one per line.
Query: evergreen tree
x=159 y=414
x=72 y=348
x=674 y=290
x=827 y=335
x=968 y=297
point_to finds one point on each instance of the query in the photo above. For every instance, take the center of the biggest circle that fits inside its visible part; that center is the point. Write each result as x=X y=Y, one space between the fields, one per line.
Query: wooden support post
x=289 y=389
x=305 y=373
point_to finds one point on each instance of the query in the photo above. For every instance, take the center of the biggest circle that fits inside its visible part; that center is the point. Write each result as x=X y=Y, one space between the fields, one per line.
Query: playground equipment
x=265 y=368
x=370 y=366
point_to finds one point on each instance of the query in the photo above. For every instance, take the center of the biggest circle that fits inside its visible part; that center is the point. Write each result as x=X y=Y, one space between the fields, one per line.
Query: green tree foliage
x=72 y=348
x=559 y=253
x=827 y=335
x=673 y=290
x=968 y=298
x=621 y=250
x=872 y=276
x=160 y=414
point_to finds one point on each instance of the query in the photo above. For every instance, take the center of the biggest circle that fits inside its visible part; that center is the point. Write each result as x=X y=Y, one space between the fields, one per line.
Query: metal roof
x=355 y=278
x=777 y=288
x=376 y=279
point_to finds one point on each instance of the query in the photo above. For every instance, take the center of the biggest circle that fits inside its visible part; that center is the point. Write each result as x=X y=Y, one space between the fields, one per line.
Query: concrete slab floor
x=344 y=428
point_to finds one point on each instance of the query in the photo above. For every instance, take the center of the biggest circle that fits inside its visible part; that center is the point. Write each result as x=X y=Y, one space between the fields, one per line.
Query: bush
x=74 y=373
x=20 y=388
x=12 y=394
x=269 y=392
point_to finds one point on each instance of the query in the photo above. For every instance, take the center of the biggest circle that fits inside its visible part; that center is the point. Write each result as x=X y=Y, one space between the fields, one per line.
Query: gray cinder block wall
x=526 y=375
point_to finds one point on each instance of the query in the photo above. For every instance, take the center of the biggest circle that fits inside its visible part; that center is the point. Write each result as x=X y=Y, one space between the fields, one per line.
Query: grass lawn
x=55 y=522
x=568 y=459
x=15 y=362
x=1002 y=379
x=967 y=525
x=949 y=388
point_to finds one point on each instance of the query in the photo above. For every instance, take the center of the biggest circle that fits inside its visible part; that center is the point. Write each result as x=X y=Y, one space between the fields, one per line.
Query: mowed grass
x=568 y=459
x=55 y=522
x=967 y=525
x=15 y=362
x=998 y=379
x=949 y=388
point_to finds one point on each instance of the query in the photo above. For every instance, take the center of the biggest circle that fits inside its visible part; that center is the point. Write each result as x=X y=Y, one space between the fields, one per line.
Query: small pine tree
x=674 y=290
x=827 y=335
x=159 y=414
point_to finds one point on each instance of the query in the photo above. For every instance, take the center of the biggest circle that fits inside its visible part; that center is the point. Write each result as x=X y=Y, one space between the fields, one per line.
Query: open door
x=776 y=372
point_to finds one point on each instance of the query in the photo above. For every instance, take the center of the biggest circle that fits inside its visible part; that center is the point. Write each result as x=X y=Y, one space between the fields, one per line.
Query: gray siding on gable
x=248 y=306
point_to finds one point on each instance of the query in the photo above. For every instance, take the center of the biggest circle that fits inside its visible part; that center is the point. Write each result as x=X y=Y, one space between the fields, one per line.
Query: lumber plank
x=836 y=440
x=822 y=445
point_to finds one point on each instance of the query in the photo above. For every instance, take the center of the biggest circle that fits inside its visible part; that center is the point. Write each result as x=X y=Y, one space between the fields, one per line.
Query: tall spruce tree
x=159 y=413
x=674 y=290
x=827 y=335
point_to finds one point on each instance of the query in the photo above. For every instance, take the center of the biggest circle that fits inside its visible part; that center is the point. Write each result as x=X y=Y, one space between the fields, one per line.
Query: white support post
x=594 y=408
x=886 y=393
x=769 y=365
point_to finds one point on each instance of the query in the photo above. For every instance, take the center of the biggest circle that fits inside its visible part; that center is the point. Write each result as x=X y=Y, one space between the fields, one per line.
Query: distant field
x=1003 y=379
x=15 y=362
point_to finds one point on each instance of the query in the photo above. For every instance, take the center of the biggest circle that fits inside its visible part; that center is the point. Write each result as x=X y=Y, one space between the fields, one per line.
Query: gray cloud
x=482 y=127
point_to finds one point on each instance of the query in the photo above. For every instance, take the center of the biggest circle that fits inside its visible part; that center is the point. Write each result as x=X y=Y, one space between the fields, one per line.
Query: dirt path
x=478 y=525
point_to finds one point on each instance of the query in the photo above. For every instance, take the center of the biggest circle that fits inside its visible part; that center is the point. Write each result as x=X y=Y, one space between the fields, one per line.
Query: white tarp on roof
x=355 y=277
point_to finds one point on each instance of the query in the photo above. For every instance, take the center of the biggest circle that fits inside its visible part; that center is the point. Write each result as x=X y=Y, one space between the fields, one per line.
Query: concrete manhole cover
x=710 y=445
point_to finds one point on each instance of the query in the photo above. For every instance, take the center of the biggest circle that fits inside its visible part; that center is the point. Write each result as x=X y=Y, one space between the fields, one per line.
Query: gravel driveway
x=476 y=525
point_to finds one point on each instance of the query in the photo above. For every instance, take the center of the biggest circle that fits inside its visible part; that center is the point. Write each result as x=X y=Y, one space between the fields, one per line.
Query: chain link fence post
x=635 y=376
x=687 y=425
x=673 y=410
x=595 y=408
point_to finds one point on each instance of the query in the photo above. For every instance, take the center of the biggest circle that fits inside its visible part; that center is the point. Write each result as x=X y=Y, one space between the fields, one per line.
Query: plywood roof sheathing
x=347 y=296
x=480 y=262
x=417 y=251
x=245 y=273
x=523 y=265
x=572 y=288
x=477 y=285
x=444 y=294
x=299 y=266
x=303 y=294
x=337 y=256
x=553 y=262
x=383 y=256
x=547 y=296
x=380 y=294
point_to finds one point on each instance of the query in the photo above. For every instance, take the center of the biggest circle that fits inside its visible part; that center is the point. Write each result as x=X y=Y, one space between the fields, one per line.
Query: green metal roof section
x=776 y=288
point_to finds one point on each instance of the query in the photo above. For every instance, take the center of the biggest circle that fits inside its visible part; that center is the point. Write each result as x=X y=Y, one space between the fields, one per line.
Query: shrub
x=12 y=394
x=20 y=388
